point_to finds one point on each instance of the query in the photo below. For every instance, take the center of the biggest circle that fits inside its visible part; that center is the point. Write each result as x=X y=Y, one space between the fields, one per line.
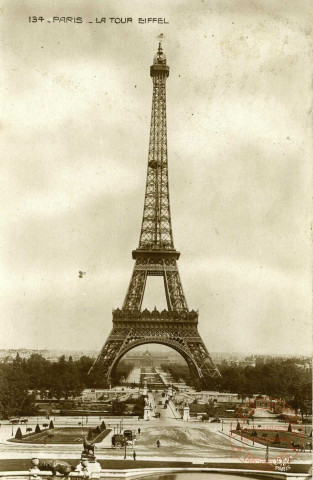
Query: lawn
x=66 y=435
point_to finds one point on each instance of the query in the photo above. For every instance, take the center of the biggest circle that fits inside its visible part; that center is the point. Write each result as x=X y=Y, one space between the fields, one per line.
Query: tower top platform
x=159 y=64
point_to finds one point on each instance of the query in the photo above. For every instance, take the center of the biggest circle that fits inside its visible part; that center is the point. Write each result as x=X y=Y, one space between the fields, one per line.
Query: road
x=181 y=440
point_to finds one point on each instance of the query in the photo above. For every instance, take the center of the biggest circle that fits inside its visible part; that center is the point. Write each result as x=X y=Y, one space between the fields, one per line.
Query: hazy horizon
x=213 y=352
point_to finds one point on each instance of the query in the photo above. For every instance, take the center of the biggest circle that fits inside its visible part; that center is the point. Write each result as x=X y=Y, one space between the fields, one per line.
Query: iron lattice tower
x=176 y=327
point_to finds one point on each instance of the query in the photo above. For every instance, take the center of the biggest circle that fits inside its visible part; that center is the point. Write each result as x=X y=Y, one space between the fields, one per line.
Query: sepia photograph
x=156 y=249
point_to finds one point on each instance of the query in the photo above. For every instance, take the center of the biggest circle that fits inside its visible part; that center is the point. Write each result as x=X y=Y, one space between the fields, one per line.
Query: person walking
x=158 y=444
x=139 y=431
x=134 y=455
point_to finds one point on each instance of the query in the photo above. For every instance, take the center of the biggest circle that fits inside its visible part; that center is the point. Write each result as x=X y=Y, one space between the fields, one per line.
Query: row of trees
x=277 y=378
x=22 y=380
x=14 y=396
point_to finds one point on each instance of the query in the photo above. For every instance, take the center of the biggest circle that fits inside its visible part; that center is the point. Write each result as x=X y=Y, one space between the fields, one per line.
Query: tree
x=277 y=438
x=37 y=429
x=118 y=407
x=210 y=409
x=302 y=399
x=19 y=434
x=51 y=425
x=14 y=397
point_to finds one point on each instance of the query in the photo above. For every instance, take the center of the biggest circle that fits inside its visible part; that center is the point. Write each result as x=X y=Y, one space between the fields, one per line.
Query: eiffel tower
x=176 y=327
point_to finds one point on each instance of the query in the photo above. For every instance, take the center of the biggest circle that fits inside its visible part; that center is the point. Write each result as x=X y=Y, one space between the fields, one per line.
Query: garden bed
x=66 y=435
x=275 y=438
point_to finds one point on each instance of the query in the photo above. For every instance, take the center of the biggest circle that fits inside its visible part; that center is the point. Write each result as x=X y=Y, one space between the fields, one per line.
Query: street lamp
x=222 y=425
x=267 y=454
x=12 y=429
x=125 y=453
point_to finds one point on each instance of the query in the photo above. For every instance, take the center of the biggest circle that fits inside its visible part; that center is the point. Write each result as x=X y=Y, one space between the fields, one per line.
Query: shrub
x=37 y=429
x=103 y=425
x=19 y=434
x=238 y=426
x=89 y=436
x=51 y=425
x=277 y=439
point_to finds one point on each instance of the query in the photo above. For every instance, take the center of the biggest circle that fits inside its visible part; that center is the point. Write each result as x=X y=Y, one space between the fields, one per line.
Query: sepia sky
x=76 y=102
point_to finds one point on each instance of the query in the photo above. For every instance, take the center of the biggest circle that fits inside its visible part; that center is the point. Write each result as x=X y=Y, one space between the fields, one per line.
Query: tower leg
x=136 y=289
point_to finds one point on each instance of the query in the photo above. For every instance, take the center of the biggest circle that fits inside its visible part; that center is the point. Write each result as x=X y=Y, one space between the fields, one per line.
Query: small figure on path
x=134 y=455
x=139 y=431
x=158 y=444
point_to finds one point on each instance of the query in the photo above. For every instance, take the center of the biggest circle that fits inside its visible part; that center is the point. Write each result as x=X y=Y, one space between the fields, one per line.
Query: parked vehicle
x=215 y=420
x=157 y=415
x=130 y=435
x=118 y=440
x=14 y=421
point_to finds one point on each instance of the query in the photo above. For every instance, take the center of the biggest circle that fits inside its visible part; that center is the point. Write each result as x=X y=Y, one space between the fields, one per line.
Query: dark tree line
x=14 y=397
x=278 y=378
x=23 y=379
